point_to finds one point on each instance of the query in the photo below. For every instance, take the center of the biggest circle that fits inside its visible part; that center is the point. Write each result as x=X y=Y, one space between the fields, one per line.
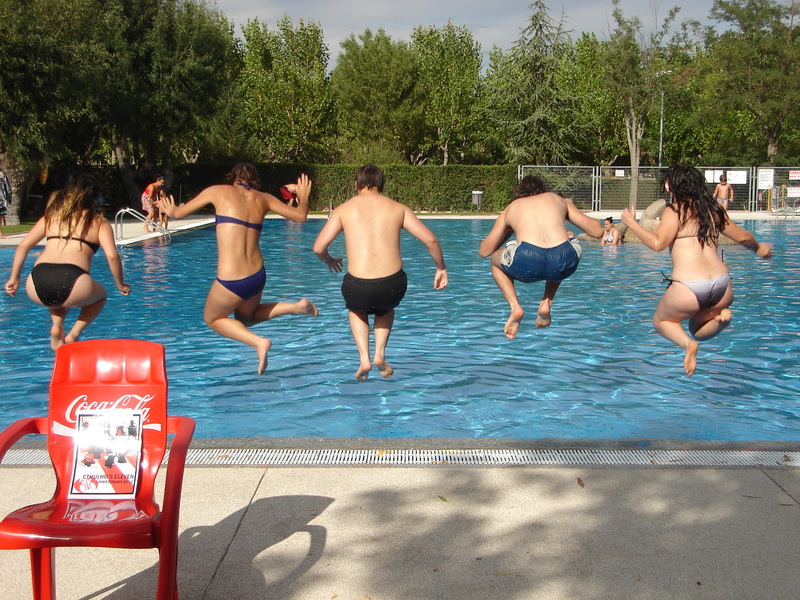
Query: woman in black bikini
x=74 y=230
x=700 y=287
x=240 y=211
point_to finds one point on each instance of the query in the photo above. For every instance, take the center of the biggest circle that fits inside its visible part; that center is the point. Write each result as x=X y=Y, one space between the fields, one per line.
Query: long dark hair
x=75 y=205
x=693 y=200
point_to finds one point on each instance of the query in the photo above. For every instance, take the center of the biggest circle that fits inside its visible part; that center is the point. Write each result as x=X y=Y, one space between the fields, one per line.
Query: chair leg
x=167 y=573
x=43 y=572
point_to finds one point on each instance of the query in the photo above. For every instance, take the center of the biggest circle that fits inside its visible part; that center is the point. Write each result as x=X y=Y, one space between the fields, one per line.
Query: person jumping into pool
x=240 y=211
x=74 y=229
x=375 y=282
x=690 y=227
x=542 y=250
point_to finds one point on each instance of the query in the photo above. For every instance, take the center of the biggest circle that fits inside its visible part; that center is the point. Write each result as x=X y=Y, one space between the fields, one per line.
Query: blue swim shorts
x=527 y=263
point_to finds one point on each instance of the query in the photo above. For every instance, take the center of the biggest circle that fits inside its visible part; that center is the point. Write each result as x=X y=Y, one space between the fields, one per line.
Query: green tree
x=636 y=77
x=449 y=62
x=48 y=60
x=166 y=66
x=287 y=90
x=599 y=131
x=374 y=84
x=754 y=64
x=524 y=102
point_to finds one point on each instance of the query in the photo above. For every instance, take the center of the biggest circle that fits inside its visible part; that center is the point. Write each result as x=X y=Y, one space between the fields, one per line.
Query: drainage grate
x=555 y=457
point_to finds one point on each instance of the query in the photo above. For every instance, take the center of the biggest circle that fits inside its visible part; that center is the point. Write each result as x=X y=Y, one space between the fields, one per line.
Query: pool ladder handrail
x=136 y=214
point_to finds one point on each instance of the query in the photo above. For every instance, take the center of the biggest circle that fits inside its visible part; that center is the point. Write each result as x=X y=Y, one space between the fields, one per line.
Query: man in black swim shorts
x=375 y=282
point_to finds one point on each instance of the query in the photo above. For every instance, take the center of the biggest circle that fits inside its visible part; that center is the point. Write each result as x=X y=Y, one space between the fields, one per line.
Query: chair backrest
x=107 y=430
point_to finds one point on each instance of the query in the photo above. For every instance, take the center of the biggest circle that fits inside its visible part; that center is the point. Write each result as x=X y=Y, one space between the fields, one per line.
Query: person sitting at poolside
x=611 y=235
x=375 y=282
x=542 y=250
x=241 y=276
x=690 y=227
x=74 y=230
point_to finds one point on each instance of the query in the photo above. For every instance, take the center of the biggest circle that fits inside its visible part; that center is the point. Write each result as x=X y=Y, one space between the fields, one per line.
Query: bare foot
x=724 y=317
x=383 y=367
x=262 y=349
x=543 y=318
x=690 y=360
x=363 y=371
x=307 y=307
x=56 y=337
x=512 y=325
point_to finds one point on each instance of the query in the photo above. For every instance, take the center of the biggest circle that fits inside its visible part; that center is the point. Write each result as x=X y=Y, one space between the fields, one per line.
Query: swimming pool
x=599 y=372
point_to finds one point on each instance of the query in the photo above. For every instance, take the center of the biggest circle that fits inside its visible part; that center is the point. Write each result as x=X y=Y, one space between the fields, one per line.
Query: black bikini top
x=94 y=246
x=223 y=219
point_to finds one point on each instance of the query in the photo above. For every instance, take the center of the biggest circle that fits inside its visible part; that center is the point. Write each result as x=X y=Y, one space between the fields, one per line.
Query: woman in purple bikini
x=240 y=210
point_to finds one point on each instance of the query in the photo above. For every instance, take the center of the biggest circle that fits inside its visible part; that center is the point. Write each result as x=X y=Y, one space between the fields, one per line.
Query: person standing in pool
x=542 y=250
x=690 y=227
x=241 y=277
x=723 y=192
x=74 y=229
x=375 y=282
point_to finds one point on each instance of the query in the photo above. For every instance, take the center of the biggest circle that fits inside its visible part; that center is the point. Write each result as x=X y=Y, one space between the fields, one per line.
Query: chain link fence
x=594 y=188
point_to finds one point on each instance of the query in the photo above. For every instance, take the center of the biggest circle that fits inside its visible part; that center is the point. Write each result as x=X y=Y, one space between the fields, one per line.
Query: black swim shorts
x=374 y=296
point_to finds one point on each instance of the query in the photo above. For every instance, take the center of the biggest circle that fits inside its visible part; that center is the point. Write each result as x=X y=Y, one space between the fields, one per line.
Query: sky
x=492 y=22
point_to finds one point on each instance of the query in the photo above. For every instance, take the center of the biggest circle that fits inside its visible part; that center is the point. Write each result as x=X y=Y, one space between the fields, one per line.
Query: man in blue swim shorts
x=375 y=282
x=542 y=250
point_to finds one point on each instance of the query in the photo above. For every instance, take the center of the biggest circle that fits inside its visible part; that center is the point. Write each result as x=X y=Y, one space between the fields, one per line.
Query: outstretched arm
x=324 y=239
x=747 y=239
x=413 y=225
x=498 y=236
x=35 y=235
x=591 y=226
x=106 y=236
x=167 y=204
x=662 y=237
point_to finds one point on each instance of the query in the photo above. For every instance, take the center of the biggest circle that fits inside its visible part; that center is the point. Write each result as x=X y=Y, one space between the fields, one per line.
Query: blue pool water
x=600 y=371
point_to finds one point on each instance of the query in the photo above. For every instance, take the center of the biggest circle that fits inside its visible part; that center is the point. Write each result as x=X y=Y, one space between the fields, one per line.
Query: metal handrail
x=137 y=215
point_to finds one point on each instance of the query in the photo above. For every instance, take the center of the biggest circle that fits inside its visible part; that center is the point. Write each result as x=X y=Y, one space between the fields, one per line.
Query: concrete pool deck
x=445 y=532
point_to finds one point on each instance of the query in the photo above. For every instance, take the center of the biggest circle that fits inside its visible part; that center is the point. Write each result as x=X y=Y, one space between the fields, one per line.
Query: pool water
x=600 y=370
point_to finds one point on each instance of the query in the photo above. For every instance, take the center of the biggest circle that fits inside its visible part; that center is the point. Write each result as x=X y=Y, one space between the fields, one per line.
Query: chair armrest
x=183 y=429
x=19 y=429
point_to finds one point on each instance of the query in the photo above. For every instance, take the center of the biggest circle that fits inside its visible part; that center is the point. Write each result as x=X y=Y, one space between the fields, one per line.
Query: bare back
x=539 y=219
x=74 y=251
x=371 y=223
x=239 y=252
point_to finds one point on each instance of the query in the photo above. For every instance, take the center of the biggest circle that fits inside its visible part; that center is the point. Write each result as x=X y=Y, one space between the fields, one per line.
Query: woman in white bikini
x=240 y=210
x=700 y=287
x=75 y=229
x=611 y=235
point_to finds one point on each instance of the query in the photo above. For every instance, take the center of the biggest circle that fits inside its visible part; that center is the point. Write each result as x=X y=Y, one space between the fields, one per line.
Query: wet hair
x=369 y=176
x=75 y=205
x=693 y=200
x=244 y=173
x=530 y=185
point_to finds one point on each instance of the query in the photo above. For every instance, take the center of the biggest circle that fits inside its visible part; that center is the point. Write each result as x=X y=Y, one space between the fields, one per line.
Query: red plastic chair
x=106 y=433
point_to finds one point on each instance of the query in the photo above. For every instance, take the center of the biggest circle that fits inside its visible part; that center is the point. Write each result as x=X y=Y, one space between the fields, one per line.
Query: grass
x=21 y=228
